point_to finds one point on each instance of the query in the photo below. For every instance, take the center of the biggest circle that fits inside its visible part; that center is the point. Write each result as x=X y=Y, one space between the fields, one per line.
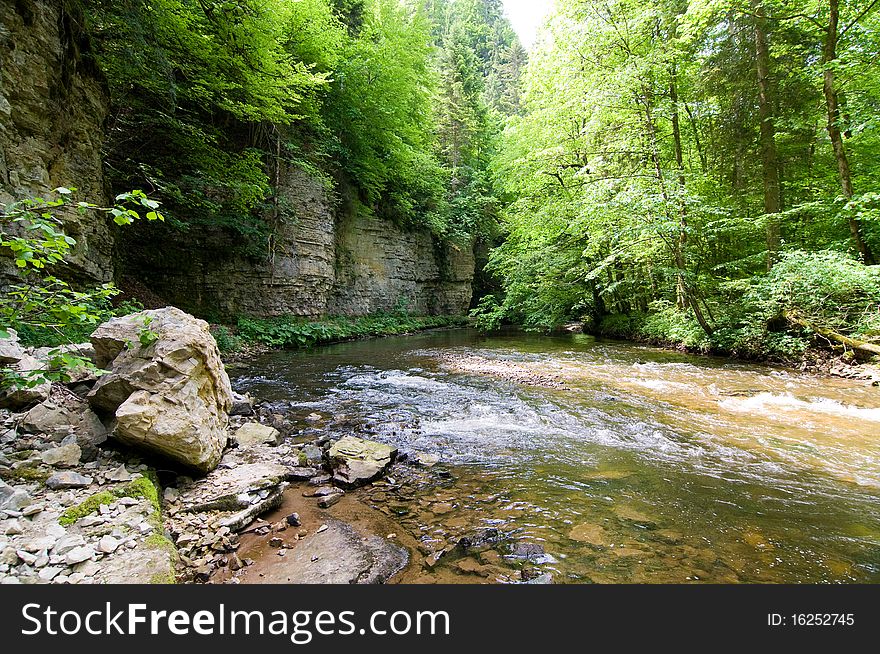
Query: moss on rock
x=85 y=508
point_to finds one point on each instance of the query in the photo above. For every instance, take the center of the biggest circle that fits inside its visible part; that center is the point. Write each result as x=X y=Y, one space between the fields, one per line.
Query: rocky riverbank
x=154 y=471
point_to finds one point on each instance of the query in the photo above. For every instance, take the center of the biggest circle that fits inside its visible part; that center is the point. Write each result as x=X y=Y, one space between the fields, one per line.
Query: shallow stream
x=624 y=462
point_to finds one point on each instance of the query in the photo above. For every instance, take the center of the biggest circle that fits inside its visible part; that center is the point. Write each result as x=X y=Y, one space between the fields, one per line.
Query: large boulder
x=357 y=462
x=166 y=387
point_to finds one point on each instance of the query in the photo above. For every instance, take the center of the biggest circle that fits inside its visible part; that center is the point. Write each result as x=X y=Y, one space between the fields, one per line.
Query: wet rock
x=591 y=534
x=631 y=514
x=322 y=491
x=543 y=579
x=63 y=456
x=171 y=397
x=241 y=519
x=425 y=460
x=68 y=479
x=293 y=520
x=242 y=405
x=339 y=554
x=232 y=488
x=302 y=474
x=357 y=462
x=313 y=455
x=482 y=538
x=470 y=566
x=528 y=551
x=329 y=500
x=254 y=433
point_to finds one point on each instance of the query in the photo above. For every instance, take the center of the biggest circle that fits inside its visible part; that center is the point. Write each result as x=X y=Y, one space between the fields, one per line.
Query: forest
x=693 y=173
x=388 y=291
x=699 y=173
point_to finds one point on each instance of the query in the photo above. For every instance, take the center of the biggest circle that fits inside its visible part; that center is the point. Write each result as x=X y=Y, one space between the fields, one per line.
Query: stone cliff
x=327 y=260
x=327 y=257
x=53 y=105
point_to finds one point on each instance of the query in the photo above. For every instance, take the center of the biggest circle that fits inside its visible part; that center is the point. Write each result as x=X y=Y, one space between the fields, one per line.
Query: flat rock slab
x=225 y=488
x=341 y=555
x=253 y=433
x=357 y=462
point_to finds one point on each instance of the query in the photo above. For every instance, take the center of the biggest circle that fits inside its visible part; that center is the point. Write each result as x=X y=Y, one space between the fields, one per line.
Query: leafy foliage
x=638 y=174
x=212 y=98
x=289 y=332
x=43 y=307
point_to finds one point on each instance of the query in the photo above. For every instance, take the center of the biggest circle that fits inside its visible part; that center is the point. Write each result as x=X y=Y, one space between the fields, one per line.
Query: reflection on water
x=627 y=463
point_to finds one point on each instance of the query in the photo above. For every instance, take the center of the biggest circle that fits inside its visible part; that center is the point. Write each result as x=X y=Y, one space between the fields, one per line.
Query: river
x=624 y=463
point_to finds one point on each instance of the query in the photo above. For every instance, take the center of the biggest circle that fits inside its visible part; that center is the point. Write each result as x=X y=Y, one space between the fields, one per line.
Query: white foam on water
x=767 y=403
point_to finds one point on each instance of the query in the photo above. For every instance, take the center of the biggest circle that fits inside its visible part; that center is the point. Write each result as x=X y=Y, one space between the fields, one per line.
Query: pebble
x=13 y=528
x=67 y=544
x=322 y=529
x=293 y=520
x=68 y=480
x=48 y=574
x=78 y=555
x=27 y=557
x=120 y=474
x=91 y=521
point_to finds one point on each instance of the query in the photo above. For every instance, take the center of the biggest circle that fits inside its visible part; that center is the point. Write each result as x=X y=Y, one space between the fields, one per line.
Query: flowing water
x=626 y=463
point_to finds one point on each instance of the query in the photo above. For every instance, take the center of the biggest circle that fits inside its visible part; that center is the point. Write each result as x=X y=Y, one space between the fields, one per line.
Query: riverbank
x=250 y=336
x=805 y=353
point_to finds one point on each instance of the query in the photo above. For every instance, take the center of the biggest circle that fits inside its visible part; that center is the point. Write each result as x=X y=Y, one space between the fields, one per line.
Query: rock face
x=52 y=110
x=357 y=462
x=336 y=260
x=171 y=396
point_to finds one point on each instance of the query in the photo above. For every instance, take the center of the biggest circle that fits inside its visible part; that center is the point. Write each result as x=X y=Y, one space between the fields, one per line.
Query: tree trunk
x=769 y=155
x=682 y=285
x=681 y=294
x=862 y=346
x=832 y=102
